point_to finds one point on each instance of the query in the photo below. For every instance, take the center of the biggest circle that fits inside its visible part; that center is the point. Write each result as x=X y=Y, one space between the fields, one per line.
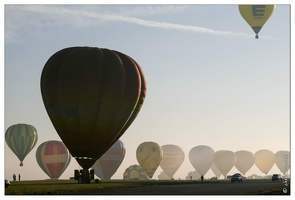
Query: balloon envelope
x=201 y=158
x=92 y=96
x=282 y=160
x=21 y=139
x=53 y=158
x=106 y=166
x=256 y=15
x=215 y=170
x=149 y=156
x=135 y=172
x=244 y=161
x=224 y=161
x=173 y=157
x=264 y=160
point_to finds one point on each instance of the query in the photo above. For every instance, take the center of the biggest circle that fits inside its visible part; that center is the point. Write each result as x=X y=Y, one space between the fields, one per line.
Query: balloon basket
x=84 y=176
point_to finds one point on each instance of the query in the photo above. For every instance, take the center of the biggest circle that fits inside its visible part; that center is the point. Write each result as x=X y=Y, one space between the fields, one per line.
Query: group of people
x=14 y=177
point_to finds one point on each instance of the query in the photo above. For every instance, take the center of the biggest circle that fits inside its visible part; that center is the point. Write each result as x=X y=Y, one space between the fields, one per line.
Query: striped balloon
x=21 y=139
x=173 y=157
x=53 y=157
x=106 y=166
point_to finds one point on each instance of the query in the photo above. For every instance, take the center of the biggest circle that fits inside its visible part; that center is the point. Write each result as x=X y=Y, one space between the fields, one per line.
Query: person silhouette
x=18 y=177
x=202 y=178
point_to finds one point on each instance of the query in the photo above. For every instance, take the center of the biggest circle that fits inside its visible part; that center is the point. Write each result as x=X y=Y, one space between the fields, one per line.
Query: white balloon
x=264 y=160
x=282 y=160
x=224 y=161
x=244 y=161
x=201 y=158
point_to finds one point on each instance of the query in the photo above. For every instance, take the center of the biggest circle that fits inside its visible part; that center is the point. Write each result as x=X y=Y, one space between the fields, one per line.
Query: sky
x=209 y=81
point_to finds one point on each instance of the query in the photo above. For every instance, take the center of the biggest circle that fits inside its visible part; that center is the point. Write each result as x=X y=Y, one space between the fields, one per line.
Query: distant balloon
x=92 y=96
x=135 y=172
x=224 y=161
x=256 y=15
x=21 y=139
x=283 y=161
x=193 y=176
x=173 y=157
x=106 y=166
x=264 y=160
x=201 y=158
x=149 y=156
x=215 y=170
x=53 y=158
x=163 y=176
x=244 y=161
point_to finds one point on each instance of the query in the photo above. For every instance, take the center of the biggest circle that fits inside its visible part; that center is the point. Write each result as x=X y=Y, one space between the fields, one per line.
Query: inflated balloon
x=106 y=166
x=135 y=172
x=283 y=161
x=149 y=156
x=173 y=157
x=92 y=96
x=256 y=15
x=224 y=161
x=21 y=139
x=201 y=158
x=193 y=176
x=215 y=170
x=244 y=161
x=53 y=158
x=264 y=160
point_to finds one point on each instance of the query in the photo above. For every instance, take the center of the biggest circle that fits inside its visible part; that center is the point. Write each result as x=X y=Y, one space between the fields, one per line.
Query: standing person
x=14 y=177
x=202 y=178
x=18 y=177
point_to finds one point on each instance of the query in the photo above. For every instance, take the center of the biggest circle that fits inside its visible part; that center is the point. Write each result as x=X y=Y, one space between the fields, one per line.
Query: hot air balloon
x=224 y=161
x=173 y=157
x=21 y=139
x=215 y=170
x=193 y=176
x=201 y=158
x=106 y=166
x=92 y=96
x=149 y=156
x=163 y=176
x=256 y=15
x=283 y=161
x=244 y=161
x=53 y=158
x=135 y=172
x=264 y=160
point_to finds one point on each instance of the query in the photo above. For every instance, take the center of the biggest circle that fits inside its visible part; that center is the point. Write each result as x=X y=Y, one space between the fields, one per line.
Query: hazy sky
x=209 y=81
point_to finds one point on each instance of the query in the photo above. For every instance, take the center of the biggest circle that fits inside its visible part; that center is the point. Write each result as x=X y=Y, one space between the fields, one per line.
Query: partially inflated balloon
x=53 y=158
x=264 y=160
x=256 y=15
x=149 y=156
x=224 y=161
x=244 y=161
x=173 y=157
x=201 y=158
x=106 y=166
x=21 y=139
x=282 y=160
x=92 y=96
x=135 y=172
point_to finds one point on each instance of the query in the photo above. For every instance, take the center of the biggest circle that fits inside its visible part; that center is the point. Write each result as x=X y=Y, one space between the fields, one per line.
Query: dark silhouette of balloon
x=201 y=158
x=173 y=157
x=264 y=160
x=53 y=158
x=149 y=156
x=21 y=139
x=92 y=96
x=256 y=15
x=106 y=166
x=244 y=161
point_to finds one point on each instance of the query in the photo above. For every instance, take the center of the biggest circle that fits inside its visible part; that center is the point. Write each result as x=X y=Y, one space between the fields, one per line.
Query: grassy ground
x=59 y=187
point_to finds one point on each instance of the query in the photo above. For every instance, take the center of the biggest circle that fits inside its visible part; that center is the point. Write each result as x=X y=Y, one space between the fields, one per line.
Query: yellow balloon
x=256 y=15
x=149 y=156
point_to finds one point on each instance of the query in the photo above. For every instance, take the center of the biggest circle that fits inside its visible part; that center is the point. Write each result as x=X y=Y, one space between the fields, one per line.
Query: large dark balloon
x=92 y=96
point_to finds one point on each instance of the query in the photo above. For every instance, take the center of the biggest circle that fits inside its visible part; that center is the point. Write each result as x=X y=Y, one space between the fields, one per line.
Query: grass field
x=59 y=187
